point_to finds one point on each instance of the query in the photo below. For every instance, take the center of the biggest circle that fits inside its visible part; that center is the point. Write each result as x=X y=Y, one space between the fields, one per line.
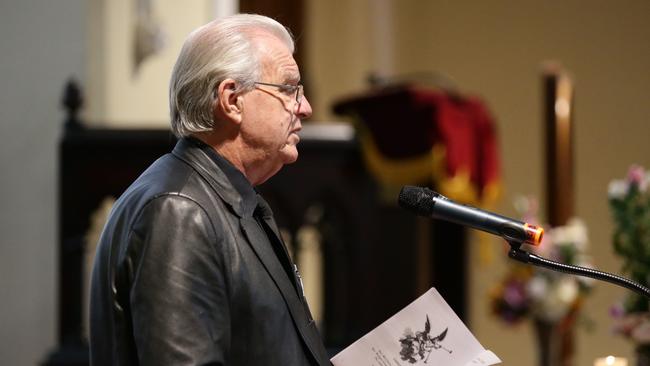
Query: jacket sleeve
x=178 y=295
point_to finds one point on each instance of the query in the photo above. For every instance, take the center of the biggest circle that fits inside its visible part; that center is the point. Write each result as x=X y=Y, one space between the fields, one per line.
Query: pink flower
x=515 y=294
x=636 y=175
x=629 y=325
x=641 y=334
x=617 y=311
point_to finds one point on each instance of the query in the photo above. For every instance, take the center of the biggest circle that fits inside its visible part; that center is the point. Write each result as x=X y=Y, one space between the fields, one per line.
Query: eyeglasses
x=292 y=90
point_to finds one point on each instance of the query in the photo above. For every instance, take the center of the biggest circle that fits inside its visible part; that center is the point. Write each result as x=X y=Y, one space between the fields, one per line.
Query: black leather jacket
x=186 y=275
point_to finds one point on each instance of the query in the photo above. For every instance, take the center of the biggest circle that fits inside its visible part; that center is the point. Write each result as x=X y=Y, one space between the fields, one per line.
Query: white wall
x=41 y=46
x=118 y=96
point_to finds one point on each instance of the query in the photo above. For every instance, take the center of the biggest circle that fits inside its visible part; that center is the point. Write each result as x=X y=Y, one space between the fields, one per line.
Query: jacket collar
x=228 y=182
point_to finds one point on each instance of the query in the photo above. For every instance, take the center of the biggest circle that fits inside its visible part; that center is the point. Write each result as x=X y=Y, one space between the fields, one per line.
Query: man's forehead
x=284 y=70
x=276 y=58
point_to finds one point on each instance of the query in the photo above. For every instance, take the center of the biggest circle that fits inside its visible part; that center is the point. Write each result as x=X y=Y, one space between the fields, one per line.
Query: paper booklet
x=426 y=332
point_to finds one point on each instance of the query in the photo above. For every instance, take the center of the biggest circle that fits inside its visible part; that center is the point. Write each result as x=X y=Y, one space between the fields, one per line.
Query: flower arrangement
x=541 y=294
x=629 y=202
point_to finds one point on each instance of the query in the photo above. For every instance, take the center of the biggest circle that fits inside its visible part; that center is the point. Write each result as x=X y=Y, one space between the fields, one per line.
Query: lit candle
x=611 y=361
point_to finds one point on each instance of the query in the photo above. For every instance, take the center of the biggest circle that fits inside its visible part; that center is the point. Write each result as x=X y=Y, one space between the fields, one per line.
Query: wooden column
x=558 y=111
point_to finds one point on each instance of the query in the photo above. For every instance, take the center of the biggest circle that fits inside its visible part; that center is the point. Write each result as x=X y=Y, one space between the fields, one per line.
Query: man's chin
x=289 y=154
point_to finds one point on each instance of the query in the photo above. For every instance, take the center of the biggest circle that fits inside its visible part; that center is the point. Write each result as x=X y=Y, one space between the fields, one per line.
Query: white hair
x=221 y=49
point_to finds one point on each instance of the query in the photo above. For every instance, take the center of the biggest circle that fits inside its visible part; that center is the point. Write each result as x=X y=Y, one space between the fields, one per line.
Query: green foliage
x=629 y=202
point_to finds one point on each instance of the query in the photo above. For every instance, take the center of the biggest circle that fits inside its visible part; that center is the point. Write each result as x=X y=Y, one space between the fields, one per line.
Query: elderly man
x=190 y=268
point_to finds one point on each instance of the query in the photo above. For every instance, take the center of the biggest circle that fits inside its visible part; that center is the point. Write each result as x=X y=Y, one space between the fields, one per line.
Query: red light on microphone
x=534 y=234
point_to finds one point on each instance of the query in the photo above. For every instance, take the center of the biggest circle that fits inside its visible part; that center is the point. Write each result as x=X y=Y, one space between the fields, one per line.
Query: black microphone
x=425 y=202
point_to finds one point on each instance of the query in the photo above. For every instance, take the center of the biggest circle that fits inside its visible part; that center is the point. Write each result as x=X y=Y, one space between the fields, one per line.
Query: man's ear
x=229 y=102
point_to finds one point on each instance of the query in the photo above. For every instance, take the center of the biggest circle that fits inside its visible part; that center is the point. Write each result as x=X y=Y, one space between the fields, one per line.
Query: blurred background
x=494 y=50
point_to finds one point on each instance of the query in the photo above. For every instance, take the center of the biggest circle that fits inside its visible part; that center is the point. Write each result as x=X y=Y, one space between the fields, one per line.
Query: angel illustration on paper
x=418 y=347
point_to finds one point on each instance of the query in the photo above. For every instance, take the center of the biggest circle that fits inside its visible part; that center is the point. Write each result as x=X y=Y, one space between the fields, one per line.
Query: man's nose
x=304 y=108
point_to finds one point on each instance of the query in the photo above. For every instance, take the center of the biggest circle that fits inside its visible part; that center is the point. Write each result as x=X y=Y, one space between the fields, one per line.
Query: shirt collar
x=234 y=175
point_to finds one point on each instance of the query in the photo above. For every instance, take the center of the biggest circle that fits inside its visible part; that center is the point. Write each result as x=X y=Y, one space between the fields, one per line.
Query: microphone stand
x=523 y=256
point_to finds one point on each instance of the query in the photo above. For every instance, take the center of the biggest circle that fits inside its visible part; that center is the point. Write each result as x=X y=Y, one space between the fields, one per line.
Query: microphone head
x=417 y=200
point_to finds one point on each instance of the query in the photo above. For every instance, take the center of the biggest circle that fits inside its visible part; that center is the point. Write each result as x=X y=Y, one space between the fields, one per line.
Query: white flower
x=537 y=288
x=577 y=234
x=522 y=204
x=557 y=299
x=574 y=233
x=617 y=189
x=567 y=290
x=551 y=308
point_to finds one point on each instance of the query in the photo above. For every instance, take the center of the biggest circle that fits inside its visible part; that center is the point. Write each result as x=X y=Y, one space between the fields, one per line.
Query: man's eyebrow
x=292 y=78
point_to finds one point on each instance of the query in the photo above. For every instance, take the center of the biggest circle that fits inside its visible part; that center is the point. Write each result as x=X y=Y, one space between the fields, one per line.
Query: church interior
x=533 y=110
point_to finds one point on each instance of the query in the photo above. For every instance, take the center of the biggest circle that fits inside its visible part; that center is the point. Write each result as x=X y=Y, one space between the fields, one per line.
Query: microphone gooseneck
x=530 y=258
